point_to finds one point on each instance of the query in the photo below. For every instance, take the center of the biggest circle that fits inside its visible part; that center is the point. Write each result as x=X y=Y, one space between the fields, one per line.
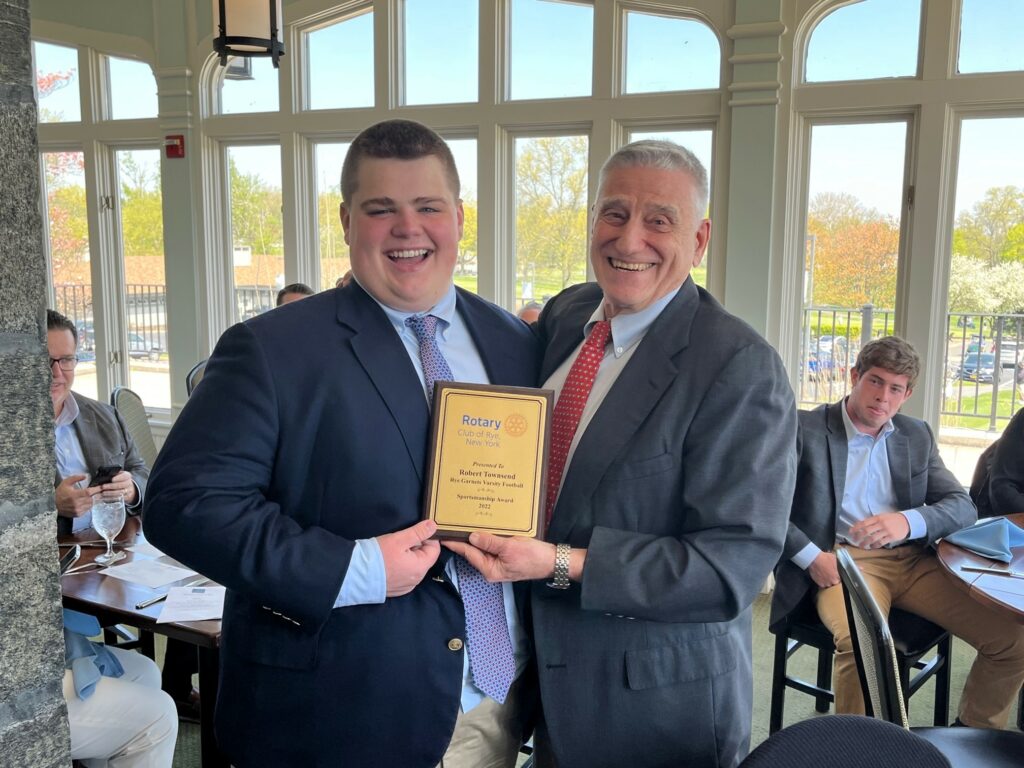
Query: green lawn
x=982 y=404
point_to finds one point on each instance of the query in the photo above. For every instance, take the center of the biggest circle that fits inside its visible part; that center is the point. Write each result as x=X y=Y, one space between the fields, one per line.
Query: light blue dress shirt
x=366 y=581
x=70 y=459
x=869 y=489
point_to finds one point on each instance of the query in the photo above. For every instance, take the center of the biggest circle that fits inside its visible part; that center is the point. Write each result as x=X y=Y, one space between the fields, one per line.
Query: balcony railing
x=983 y=361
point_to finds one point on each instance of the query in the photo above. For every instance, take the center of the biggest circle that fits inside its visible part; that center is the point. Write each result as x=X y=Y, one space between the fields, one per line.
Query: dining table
x=115 y=601
x=1002 y=593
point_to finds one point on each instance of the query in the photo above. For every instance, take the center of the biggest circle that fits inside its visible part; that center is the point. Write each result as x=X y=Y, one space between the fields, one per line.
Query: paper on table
x=145 y=548
x=149 y=573
x=192 y=604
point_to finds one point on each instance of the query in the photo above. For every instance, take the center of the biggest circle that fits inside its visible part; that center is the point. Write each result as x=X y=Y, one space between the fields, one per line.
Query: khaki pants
x=911 y=578
x=490 y=734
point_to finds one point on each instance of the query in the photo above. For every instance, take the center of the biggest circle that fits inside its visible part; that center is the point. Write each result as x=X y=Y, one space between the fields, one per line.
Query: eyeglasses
x=65 y=363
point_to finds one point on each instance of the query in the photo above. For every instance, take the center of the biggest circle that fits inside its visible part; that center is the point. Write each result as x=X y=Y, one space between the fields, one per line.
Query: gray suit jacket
x=919 y=478
x=105 y=440
x=680 y=490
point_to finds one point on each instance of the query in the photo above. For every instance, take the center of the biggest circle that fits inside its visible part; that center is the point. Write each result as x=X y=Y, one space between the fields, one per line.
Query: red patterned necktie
x=571 y=402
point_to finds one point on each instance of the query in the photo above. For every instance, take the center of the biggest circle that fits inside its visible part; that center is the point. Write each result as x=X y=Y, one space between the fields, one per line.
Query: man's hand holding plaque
x=487 y=464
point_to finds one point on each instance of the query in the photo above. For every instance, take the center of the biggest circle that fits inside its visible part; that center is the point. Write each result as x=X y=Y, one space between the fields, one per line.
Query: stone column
x=33 y=717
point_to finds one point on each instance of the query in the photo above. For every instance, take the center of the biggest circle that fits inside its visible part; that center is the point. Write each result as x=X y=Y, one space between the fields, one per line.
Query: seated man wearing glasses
x=89 y=435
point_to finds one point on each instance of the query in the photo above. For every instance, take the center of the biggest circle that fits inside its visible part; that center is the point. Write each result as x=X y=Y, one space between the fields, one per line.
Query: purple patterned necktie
x=490 y=648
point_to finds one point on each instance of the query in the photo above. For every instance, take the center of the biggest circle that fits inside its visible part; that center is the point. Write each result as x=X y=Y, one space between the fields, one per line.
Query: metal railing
x=983 y=362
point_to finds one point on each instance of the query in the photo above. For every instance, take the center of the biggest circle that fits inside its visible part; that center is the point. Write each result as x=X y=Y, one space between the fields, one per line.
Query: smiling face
x=876 y=396
x=60 y=343
x=646 y=237
x=403 y=227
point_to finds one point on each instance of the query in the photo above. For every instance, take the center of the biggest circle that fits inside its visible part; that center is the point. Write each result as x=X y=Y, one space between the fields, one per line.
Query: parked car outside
x=139 y=348
x=978 y=367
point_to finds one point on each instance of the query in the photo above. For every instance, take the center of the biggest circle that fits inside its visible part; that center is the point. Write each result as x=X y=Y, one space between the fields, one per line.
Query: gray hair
x=664 y=155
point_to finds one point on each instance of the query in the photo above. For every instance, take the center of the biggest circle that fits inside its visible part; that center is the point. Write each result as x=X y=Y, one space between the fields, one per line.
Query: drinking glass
x=108 y=520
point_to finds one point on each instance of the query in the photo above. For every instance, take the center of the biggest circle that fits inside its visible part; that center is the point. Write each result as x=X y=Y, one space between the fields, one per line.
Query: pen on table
x=158 y=598
x=996 y=571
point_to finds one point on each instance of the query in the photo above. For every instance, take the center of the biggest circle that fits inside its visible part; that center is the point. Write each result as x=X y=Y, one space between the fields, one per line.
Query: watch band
x=561 y=577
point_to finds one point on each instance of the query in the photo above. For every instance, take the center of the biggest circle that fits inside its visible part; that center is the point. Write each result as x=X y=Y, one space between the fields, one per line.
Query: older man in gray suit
x=870 y=480
x=671 y=474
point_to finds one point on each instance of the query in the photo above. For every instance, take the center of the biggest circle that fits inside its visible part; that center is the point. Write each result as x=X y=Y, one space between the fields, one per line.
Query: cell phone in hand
x=70 y=558
x=104 y=475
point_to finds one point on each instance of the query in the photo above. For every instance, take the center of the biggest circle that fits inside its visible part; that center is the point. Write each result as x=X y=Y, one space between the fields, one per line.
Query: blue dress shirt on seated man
x=294 y=476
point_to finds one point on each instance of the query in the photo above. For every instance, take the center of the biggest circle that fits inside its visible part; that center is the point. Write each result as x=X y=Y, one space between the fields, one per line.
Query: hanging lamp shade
x=248 y=28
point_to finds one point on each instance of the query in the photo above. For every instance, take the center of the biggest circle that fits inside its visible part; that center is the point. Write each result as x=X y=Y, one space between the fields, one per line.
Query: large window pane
x=248 y=85
x=699 y=141
x=256 y=229
x=340 y=64
x=551 y=52
x=57 y=83
x=865 y=41
x=334 y=257
x=551 y=216
x=984 y=368
x=68 y=241
x=441 y=42
x=990 y=36
x=142 y=243
x=464 y=152
x=132 y=89
x=669 y=54
x=852 y=243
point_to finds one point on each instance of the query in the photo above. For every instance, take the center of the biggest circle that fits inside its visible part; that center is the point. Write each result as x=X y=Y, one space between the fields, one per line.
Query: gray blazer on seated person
x=919 y=478
x=105 y=440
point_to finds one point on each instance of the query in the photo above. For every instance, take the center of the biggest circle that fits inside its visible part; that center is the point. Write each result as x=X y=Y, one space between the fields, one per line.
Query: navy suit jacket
x=680 y=490
x=309 y=431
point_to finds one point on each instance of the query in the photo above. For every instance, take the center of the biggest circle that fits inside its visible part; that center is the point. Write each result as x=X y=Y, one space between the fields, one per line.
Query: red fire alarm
x=175 y=146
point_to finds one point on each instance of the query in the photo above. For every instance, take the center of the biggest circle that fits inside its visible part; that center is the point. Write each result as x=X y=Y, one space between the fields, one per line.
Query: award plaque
x=487 y=462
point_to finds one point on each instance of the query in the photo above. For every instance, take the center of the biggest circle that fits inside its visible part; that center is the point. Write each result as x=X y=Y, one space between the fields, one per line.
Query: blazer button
x=455 y=644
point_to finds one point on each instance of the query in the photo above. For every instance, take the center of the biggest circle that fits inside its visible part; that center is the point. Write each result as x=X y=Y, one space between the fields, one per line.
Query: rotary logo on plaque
x=515 y=425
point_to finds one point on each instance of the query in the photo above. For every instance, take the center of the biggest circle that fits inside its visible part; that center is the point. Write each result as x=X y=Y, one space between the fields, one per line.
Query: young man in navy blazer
x=294 y=476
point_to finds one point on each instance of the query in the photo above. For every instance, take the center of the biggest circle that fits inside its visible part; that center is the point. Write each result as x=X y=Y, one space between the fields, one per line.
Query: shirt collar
x=444 y=311
x=852 y=431
x=629 y=328
x=68 y=413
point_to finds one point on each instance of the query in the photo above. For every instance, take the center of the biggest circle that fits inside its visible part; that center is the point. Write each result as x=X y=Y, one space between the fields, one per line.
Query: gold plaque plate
x=487 y=462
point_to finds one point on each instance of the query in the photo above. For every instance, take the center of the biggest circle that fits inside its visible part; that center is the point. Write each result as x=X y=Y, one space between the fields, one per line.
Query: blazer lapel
x=384 y=358
x=92 y=448
x=897 y=449
x=484 y=329
x=838 y=452
x=640 y=386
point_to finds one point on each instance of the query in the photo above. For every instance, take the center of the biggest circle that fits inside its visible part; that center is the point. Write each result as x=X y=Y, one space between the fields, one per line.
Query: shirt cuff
x=806 y=556
x=918 y=526
x=138 y=499
x=366 y=581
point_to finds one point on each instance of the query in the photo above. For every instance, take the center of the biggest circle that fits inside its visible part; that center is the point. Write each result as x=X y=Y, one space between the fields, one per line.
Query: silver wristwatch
x=561 y=577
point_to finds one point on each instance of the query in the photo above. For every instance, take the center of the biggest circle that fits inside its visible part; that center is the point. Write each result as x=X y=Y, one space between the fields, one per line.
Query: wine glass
x=108 y=520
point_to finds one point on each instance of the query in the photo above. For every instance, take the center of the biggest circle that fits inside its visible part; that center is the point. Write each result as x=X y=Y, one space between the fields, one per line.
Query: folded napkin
x=990 y=538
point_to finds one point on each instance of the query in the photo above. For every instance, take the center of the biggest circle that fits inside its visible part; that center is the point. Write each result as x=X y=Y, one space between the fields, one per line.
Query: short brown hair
x=892 y=354
x=397 y=140
x=55 y=321
x=302 y=288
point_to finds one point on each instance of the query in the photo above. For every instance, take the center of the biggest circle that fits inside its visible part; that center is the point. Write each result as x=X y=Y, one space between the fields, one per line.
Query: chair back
x=845 y=741
x=873 y=646
x=194 y=376
x=130 y=406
